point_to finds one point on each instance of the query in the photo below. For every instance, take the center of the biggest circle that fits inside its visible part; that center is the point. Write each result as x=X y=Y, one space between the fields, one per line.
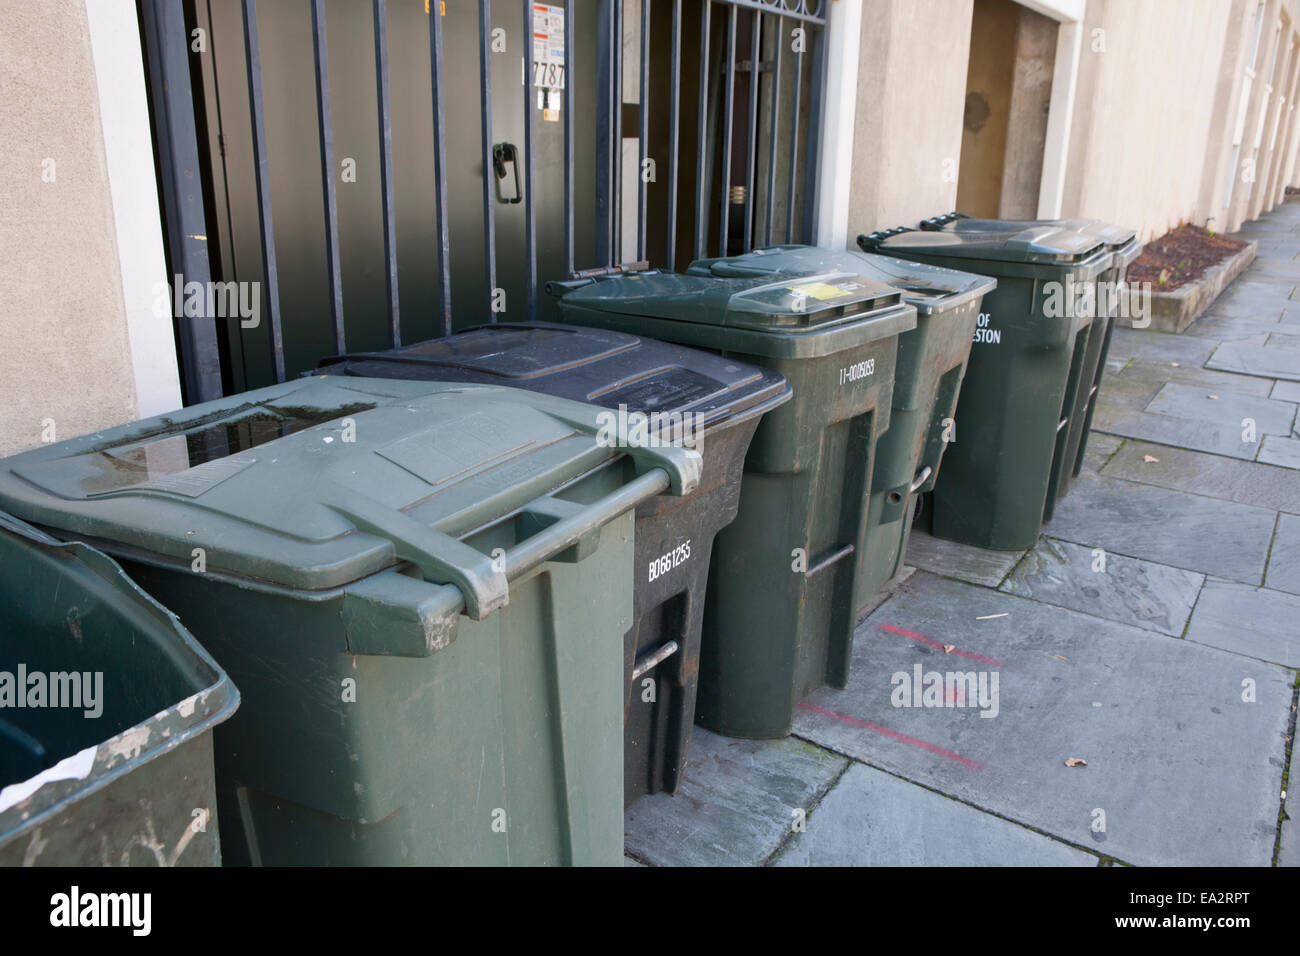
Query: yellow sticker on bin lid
x=822 y=290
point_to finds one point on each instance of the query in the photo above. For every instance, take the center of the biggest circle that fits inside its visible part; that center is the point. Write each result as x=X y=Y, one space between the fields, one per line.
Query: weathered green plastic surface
x=120 y=772
x=1024 y=371
x=380 y=724
x=927 y=381
x=779 y=615
x=1122 y=243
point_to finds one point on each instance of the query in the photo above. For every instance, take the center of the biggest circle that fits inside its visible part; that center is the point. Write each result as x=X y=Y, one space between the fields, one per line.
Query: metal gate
x=311 y=147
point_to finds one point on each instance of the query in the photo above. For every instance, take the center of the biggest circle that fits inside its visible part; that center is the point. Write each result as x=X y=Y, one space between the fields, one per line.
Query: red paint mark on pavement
x=937 y=645
x=893 y=734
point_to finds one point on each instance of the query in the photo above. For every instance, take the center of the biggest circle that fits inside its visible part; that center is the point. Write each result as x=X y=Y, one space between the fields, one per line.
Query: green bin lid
x=754 y=315
x=1034 y=245
x=929 y=288
x=317 y=483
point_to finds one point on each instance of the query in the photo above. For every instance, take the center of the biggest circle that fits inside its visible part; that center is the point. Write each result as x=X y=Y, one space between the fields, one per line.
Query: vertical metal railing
x=386 y=169
x=325 y=126
x=262 y=172
x=441 y=223
x=791 y=73
x=485 y=97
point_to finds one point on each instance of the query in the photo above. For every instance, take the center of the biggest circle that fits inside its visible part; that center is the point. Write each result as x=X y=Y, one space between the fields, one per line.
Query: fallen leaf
x=1176 y=364
x=1076 y=762
x=1060 y=658
x=1214 y=397
x=1150 y=459
x=949 y=648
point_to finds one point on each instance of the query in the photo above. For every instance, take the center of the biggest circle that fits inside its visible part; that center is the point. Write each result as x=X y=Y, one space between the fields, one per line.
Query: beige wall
x=66 y=355
x=1138 y=147
x=907 y=134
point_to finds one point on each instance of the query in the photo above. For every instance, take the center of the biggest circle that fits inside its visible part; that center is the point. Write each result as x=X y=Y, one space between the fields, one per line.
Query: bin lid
x=1035 y=245
x=929 y=288
x=318 y=482
x=600 y=366
x=1112 y=237
x=800 y=307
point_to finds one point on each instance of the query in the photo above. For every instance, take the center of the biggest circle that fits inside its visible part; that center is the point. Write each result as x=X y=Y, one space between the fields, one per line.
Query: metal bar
x=485 y=96
x=701 y=214
x=327 y=172
x=772 y=127
x=751 y=146
x=817 y=77
x=386 y=169
x=643 y=132
x=729 y=95
x=568 y=136
x=769 y=6
x=654 y=658
x=604 y=131
x=618 y=131
x=830 y=559
x=674 y=135
x=167 y=46
x=530 y=209
x=266 y=230
x=794 y=143
x=440 y=172
x=921 y=478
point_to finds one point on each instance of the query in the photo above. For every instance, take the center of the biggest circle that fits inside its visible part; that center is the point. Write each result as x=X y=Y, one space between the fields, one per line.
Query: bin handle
x=482 y=581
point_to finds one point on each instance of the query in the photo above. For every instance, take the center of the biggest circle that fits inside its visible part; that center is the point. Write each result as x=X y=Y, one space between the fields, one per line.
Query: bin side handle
x=393 y=614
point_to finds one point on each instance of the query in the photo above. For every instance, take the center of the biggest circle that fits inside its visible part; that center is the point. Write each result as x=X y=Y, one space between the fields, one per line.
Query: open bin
x=421 y=590
x=107 y=707
x=779 y=617
x=1025 y=371
x=927 y=380
x=713 y=403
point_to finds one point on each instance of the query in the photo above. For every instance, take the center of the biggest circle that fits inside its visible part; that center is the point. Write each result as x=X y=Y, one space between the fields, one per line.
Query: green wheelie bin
x=927 y=380
x=421 y=590
x=1124 y=247
x=1025 y=370
x=711 y=402
x=107 y=710
x=779 y=612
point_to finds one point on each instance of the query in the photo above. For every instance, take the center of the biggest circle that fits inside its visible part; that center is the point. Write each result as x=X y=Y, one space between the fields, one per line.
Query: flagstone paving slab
x=734 y=806
x=962 y=561
x=1286 y=391
x=896 y=823
x=1256 y=622
x=1142 y=593
x=1191 y=375
x=1283 y=452
x=1256 y=360
x=1158 y=346
x=1283 y=572
x=1180 y=770
x=1221 y=438
x=1223 y=408
x=1186 y=531
x=1245 y=482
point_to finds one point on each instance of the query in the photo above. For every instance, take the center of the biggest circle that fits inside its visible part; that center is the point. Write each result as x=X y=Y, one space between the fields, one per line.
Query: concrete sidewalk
x=1154 y=632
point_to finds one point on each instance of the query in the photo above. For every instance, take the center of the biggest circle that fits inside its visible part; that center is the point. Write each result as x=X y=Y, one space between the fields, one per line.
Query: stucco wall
x=66 y=356
x=911 y=88
x=1138 y=147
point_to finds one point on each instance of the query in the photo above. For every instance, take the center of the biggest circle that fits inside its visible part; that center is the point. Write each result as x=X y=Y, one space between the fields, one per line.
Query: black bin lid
x=592 y=365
